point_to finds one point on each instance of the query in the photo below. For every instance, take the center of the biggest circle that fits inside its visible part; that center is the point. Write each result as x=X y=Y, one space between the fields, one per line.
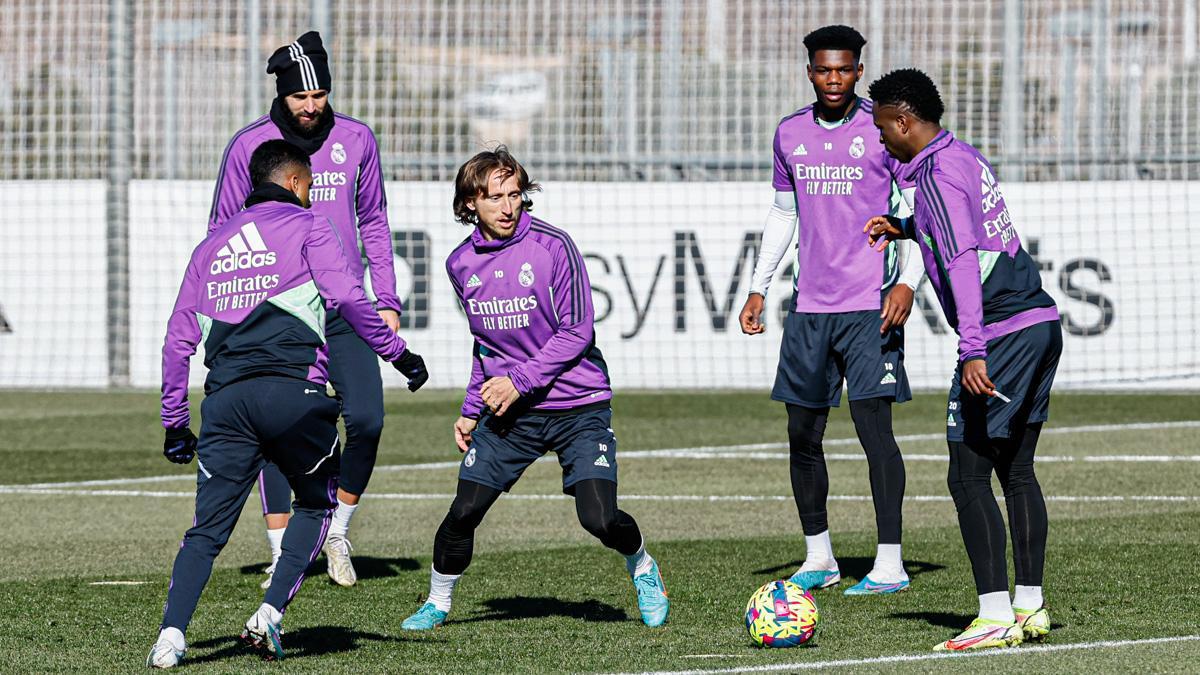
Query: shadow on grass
x=307 y=641
x=857 y=568
x=367 y=567
x=506 y=609
x=955 y=622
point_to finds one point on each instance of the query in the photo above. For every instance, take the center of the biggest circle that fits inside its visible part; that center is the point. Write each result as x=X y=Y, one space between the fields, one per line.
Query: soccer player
x=348 y=189
x=538 y=382
x=254 y=294
x=846 y=317
x=1008 y=349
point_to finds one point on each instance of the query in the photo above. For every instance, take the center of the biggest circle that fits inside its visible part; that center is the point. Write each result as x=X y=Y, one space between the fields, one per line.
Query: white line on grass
x=117 y=583
x=417 y=496
x=744 y=451
x=908 y=658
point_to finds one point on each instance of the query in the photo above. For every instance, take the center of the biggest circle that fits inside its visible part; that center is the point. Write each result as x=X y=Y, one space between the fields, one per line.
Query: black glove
x=180 y=446
x=412 y=366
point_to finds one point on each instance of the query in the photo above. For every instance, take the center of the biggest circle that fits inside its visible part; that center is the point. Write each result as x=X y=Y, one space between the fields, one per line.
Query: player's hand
x=881 y=230
x=751 y=311
x=412 y=366
x=180 y=445
x=896 y=307
x=975 y=378
x=462 y=432
x=392 y=318
x=499 y=394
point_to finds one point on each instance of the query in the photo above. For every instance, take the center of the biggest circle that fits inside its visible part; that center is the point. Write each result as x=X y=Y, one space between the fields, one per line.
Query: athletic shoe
x=426 y=618
x=809 y=579
x=266 y=583
x=652 y=597
x=337 y=554
x=1034 y=624
x=870 y=587
x=261 y=634
x=164 y=654
x=982 y=634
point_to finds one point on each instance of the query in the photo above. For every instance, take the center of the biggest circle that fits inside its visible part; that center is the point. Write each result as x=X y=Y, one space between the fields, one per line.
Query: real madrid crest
x=526 y=275
x=338 y=154
x=857 y=147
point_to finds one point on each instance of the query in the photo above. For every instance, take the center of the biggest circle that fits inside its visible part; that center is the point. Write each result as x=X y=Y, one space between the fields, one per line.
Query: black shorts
x=1021 y=365
x=818 y=351
x=502 y=449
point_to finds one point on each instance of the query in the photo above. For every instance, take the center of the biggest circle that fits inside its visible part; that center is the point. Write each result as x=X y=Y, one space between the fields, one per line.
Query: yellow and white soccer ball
x=781 y=614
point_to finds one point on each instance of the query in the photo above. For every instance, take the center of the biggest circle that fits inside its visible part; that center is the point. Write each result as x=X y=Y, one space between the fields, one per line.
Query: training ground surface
x=1121 y=473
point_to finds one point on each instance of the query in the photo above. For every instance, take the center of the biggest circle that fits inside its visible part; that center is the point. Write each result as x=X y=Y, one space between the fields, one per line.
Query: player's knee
x=599 y=523
x=464 y=516
x=313 y=495
x=363 y=425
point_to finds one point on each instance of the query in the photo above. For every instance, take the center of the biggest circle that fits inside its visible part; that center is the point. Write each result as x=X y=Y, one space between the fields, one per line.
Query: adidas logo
x=245 y=250
x=888 y=379
x=800 y=151
x=950 y=420
x=601 y=461
x=474 y=281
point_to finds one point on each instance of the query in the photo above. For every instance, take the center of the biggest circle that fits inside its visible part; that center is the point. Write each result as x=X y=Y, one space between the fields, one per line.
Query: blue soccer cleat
x=870 y=587
x=652 y=597
x=426 y=618
x=810 y=579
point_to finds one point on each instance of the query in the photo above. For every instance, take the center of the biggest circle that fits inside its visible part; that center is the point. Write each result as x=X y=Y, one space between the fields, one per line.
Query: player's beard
x=322 y=121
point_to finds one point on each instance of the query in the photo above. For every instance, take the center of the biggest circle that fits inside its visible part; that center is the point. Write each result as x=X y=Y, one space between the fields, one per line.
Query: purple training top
x=842 y=177
x=347 y=188
x=255 y=293
x=987 y=284
x=529 y=305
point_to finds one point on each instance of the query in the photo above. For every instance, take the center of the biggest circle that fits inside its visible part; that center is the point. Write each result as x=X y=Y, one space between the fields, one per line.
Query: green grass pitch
x=542 y=596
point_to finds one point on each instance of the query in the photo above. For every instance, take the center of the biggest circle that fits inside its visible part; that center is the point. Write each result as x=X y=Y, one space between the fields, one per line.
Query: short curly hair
x=912 y=90
x=471 y=181
x=838 y=38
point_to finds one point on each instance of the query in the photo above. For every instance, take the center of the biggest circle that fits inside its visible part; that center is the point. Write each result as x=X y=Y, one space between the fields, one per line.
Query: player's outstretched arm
x=326 y=260
x=882 y=230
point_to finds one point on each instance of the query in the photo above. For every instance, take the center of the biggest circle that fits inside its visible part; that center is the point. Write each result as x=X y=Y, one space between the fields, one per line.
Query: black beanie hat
x=301 y=66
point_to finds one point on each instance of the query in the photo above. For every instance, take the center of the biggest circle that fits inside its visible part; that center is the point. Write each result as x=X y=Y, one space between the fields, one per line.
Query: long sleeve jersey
x=254 y=294
x=841 y=176
x=529 y=305
x=987 y=284
x=347 y=188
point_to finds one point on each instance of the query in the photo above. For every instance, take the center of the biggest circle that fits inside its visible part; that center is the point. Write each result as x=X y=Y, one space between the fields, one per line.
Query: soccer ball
x=781 y=614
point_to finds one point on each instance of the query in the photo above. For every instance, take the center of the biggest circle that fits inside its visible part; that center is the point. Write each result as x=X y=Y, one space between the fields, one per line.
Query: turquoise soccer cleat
x=870 y=587
x=816 y=578
x=263 y=635
x=426 y=618
x=652 y=597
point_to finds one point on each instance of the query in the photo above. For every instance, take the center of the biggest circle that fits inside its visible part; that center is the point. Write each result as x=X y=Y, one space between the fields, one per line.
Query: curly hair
x=912 y=90
x=838 y=38
x=471 y=181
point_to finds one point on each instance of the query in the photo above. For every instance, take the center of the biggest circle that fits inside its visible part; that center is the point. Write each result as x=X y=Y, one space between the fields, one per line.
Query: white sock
x=639 y=563
x=275 y=539
x=889 y=565
x=174 y=636
x=1028 y=598
x=340 y=524
x=441 y=587
x=995 y=606
x=273 y=615
x=819 y=552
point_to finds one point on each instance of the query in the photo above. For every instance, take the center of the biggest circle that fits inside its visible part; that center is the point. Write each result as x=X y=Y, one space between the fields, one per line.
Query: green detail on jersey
x=304 y=303
x=987 y=261
x=205 y=326
x=928 y=241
